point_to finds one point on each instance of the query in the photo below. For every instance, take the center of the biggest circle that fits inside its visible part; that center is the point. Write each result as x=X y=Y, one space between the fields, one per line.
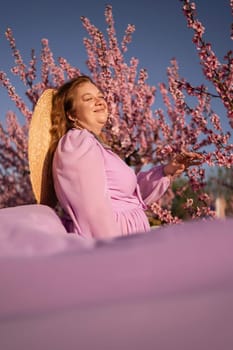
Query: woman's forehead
x=88 y=88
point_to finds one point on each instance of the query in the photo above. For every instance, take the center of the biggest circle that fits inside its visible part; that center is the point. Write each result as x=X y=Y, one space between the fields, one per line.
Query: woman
x=101 y=196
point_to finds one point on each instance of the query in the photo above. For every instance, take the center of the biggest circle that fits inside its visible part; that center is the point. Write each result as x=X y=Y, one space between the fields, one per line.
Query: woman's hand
x=181 y=162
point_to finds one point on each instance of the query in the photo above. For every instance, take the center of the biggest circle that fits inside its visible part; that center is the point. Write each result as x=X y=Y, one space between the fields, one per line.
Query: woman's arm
x=153 y=183
x=81 y=187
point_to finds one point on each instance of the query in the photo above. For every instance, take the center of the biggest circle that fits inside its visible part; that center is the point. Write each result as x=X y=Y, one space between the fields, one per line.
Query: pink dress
x=101 y=195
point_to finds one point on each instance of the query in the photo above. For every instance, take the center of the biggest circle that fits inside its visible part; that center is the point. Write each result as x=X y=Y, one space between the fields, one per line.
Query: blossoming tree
x=138 y=132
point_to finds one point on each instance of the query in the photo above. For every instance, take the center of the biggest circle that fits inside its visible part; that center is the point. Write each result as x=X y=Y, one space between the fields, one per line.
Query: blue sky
x=161 y=34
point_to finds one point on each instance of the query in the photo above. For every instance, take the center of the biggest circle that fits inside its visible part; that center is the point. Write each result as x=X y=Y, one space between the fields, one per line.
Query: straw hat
x=38 y=146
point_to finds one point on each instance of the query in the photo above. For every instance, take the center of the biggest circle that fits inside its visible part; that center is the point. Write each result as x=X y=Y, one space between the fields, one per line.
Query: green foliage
x=220 y=184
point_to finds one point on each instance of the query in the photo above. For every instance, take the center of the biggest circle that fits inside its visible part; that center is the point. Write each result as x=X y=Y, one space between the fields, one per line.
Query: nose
x=99 y=100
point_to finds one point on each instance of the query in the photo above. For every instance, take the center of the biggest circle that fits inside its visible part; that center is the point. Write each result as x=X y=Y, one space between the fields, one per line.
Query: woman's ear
x=75 y=121
x=71 y=118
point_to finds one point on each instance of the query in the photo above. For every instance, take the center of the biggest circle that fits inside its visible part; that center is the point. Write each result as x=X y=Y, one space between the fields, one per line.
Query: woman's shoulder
x=76 y=149
x=77 y=145
x=76 y=139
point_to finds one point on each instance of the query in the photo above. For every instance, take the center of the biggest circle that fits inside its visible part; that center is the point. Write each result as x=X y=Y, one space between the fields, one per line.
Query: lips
x=99 y=110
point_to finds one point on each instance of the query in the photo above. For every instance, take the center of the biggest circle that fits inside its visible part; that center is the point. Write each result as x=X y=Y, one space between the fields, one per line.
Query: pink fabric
x=31 y=230
x=102 y=195
x=171 y=288
x=153 y=184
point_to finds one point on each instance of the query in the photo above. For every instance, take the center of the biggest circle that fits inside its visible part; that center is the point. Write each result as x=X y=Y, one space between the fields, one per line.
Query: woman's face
x=91 y=108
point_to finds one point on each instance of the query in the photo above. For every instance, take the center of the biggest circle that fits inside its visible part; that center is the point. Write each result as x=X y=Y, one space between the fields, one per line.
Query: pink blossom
x=138 y=129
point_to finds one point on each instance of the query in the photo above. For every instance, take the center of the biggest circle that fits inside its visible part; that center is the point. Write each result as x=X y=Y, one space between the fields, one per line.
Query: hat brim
x=38 y=150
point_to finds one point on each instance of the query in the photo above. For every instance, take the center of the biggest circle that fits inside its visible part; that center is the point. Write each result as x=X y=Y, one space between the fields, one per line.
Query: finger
x=191 y=154
x=182 y=159
x=193 y=162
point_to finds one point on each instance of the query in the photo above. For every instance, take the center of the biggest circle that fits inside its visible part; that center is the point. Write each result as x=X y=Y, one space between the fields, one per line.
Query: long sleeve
x=153 y=184
x=81 y=186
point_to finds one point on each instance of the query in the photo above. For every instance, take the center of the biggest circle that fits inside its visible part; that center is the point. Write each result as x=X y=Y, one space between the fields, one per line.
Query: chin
x=102 y=121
